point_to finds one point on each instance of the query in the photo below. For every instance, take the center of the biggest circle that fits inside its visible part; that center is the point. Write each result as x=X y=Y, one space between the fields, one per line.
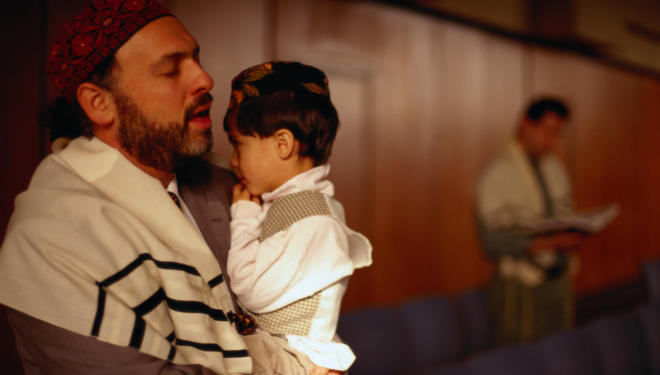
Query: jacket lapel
x=206 y=190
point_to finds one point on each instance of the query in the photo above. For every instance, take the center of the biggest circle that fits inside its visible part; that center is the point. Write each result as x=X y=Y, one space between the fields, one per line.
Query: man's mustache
x=199 y=101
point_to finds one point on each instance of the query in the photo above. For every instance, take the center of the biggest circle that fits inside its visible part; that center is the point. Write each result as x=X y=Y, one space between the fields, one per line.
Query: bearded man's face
x=161 y=145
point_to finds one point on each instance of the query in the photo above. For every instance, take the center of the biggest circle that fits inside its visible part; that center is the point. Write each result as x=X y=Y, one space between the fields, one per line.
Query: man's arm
x=48 y=349
x=498 y=243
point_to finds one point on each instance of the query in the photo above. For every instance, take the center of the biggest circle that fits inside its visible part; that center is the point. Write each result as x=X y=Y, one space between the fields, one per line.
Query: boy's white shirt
x=314 y=254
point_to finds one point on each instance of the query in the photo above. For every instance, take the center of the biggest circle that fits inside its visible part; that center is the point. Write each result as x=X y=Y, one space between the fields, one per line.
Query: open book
x=589 y=221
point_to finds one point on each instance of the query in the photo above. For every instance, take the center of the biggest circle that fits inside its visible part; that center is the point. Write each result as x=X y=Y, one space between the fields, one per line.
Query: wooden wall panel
x=439 y=100
x=646 y=172
x=482 y=87
x=430 y=90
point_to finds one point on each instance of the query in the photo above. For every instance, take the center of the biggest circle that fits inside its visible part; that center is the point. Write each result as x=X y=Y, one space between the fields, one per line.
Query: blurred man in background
x=530 y=295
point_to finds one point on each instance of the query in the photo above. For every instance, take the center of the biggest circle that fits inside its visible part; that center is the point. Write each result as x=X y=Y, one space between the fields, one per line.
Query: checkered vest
x=295 y=318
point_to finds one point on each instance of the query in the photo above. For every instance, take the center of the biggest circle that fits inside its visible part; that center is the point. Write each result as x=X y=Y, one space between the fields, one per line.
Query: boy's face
x=255 y=160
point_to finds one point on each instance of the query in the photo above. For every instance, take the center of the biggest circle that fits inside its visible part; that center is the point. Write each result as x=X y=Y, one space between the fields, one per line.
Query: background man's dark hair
x=541 y=106
x=310 y=117
x=65 y=118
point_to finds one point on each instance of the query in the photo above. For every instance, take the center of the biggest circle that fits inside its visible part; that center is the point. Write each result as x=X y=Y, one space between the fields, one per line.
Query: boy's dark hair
x=65 y=118
x=310 y=117
x=540 y=107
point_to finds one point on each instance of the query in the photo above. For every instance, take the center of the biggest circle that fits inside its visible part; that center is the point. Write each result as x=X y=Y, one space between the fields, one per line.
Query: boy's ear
x=285 y=143
x=97 y=103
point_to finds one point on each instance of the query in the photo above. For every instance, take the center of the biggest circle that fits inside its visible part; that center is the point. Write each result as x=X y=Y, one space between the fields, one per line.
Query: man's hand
x=240 y=193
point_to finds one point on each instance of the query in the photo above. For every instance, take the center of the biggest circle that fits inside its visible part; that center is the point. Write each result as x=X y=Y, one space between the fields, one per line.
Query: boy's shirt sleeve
x=291 y=264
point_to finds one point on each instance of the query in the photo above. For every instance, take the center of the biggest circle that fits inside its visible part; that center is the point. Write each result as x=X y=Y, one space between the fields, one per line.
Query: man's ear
x=97 y=103
x=285 y=143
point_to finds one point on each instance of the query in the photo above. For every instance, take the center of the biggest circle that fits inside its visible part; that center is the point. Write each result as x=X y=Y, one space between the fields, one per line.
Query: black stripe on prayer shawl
x=181 y=306
x=206 y=347
x=150 y=303
x=154 y=300
x=216 y=281
x=99 y=312
x=138 y=332
x=171 y=337
x=196 y=307
x=98 y=318
x=213 y=348
x=170 y=356
x=140 y=260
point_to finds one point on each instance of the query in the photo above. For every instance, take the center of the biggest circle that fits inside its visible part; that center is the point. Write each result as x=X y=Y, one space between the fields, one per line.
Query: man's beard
x=163 y=146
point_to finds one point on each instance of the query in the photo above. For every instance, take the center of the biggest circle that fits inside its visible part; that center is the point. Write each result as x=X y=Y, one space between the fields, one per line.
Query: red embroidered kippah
x=93 y=35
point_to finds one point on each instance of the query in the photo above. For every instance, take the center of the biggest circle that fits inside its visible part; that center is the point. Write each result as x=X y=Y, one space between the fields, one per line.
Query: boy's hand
x=240 y=193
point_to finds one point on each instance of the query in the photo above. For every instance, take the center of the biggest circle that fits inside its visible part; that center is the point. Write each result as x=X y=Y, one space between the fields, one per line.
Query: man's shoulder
x=55 y=191
x=500 y=164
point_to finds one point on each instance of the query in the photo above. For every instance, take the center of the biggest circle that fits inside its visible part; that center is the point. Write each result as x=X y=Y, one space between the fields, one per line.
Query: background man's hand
x=566 y=240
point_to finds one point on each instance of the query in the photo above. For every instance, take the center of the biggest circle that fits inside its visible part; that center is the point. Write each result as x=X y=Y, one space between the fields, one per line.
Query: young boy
x=291 y=255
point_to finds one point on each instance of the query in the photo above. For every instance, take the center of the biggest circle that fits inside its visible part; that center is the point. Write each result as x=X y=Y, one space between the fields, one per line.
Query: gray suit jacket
x=206 y=189
x=48 y=349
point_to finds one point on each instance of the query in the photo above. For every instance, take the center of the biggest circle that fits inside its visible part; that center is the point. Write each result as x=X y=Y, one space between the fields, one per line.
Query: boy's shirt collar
x=313 y=179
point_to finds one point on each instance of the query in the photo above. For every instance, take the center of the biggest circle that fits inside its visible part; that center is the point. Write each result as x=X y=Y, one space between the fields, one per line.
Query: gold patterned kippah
x=277 y=76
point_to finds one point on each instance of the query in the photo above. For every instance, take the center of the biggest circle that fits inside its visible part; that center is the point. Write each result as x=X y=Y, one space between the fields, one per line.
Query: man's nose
x=202 y=80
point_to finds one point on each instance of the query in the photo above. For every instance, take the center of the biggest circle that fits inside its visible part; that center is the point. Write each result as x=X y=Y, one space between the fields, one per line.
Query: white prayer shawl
x=96 y=246
x=509 y=195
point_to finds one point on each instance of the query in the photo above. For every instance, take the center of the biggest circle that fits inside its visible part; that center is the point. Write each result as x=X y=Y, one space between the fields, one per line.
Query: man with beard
x=104 y=269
